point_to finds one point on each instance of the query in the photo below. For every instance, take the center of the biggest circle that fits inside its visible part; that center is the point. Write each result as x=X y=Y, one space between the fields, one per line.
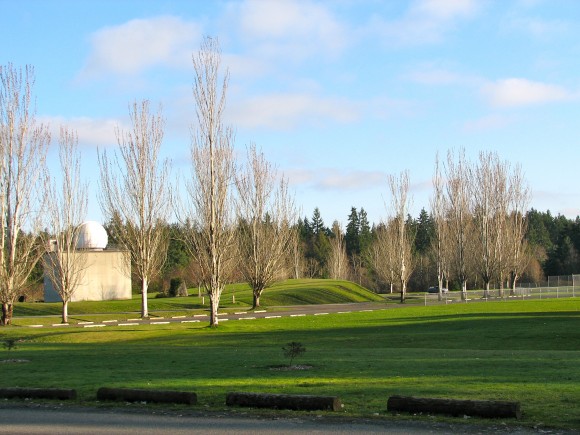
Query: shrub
x=292 y=350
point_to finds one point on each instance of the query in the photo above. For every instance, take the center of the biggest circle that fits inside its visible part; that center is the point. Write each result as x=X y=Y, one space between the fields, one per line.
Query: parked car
x=436 y=290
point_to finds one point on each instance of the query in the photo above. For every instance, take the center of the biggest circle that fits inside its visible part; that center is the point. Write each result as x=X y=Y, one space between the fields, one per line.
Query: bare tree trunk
x=6 y=314
x=64 y=311
x=144 y=307
x=256 y=301
x=213 y=309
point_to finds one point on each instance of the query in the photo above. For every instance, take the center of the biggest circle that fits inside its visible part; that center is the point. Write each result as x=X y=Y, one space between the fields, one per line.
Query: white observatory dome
x=92 y=235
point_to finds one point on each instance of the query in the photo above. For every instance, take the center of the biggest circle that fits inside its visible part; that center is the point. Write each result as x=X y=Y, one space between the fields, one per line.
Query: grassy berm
x=527 y=351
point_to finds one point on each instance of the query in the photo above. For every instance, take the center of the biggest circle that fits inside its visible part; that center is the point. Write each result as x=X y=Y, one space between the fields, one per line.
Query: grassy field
x=527 y=351
x=234 y=297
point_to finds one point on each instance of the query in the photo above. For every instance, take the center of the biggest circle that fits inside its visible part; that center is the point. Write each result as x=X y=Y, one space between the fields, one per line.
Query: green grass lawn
x=235 y=297
x=527 y=351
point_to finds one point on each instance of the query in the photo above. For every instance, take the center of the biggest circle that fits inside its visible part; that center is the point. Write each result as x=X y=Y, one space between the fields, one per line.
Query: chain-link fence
x=564 y=286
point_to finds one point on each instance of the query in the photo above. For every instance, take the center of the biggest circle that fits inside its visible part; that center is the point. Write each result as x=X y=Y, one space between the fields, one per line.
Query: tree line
x=235 y=220
x=229 y=209
x=554 y=250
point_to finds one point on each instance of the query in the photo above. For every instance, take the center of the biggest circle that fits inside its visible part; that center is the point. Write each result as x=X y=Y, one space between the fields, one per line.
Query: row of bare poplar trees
x=478 y=210
x=236 y=216
x=231 y=211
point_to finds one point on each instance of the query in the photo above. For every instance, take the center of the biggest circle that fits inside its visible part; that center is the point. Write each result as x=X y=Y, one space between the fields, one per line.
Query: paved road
x=43 y=420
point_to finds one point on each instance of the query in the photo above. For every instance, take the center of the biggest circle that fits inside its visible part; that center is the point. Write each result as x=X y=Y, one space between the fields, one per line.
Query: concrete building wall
x=106 y=277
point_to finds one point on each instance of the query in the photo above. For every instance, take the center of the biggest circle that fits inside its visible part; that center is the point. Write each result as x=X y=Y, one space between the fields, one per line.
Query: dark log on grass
x=475 y=408
x=137 y=395
x=38 y=393
x=284 y=401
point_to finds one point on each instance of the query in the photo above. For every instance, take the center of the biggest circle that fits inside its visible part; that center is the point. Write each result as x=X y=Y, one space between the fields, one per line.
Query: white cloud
x=284 y=111
x=90 y=131
x=425 y=22
x=444 y=10
x=489 y=122
x=336 y=179
x=384 y=108
x=521 y=92
x=244 y=66
x=289 y=28
x=140 y=44
x=433 y=75
x=540 y=28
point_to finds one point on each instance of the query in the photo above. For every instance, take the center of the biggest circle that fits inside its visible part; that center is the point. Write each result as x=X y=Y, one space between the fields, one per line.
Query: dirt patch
x=290 y=368
x=13 y=361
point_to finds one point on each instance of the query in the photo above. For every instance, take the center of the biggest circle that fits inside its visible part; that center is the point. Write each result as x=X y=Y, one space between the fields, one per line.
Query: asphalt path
x=38 y=420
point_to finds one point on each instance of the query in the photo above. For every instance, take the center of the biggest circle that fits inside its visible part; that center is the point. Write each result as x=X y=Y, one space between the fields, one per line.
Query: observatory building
x=106 y=274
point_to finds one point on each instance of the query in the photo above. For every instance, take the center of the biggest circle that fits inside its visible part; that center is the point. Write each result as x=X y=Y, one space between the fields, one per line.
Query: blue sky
x=337 y=93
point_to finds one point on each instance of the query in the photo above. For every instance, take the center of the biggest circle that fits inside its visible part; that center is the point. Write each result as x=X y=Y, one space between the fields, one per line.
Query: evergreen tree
x=538 y=234
x=317 y=224
x=365 y=235
x=321 y=249
x=352 y=233
x=564 y=260
x=424 y=232
x=177 y=253
x=304 y=229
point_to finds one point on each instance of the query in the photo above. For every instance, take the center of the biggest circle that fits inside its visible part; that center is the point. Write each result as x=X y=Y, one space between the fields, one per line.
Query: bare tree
x=358 y=268
x=439 y=213
x=64 y=265
x=266 y=215
x=135 y=194
x=312 y=267
x=296 y=259
x=212 y=239
x=459 y=216
x=489 y=202
x=23 y=146
x=400 y=202
x=338 y=260
x=382 y=256
x=519 y=252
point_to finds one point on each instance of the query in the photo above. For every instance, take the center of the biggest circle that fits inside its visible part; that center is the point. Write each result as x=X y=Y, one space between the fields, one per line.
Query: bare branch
x=135 y=194
x=403 y=240
x=266 y=215
x=64 y=265
x=212 y=234
x=338 y=261
x=23 y=146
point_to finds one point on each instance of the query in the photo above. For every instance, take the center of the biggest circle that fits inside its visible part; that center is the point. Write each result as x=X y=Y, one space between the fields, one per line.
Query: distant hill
x=303 y=292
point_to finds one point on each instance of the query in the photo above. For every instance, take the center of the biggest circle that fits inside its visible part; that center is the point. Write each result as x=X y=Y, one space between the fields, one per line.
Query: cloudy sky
x=337 y=93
